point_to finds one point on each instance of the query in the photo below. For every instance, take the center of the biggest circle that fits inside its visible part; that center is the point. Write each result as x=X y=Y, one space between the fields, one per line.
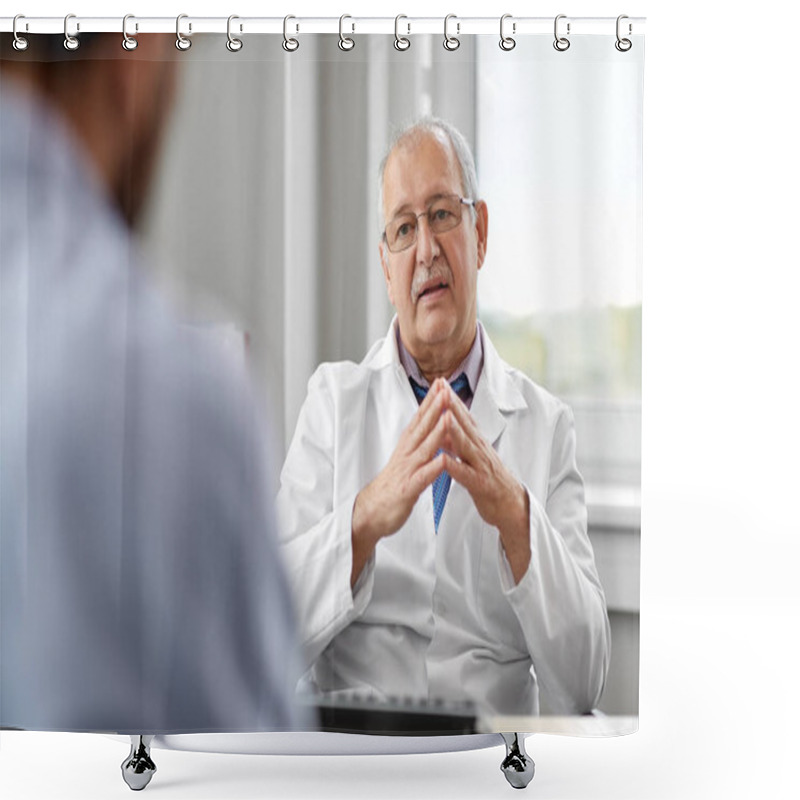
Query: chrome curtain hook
x=71 y=43
x=128 y=42
x=561 y=43
x=181 y=41
x=507 y=42
x=623 y=45
x=20 y=43
x=289 y=44
x=233 y=44
x=451 y=42
x=401 y=42
x=345 y=42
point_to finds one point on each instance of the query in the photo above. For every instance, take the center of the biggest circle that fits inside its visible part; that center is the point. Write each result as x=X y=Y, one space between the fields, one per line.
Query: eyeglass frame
x=464 y=201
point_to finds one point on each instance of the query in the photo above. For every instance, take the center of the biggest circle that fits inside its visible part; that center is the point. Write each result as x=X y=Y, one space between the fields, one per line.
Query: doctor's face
x=433 y=283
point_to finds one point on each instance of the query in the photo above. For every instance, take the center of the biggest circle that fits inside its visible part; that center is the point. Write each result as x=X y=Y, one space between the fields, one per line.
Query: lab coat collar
x=496 y=395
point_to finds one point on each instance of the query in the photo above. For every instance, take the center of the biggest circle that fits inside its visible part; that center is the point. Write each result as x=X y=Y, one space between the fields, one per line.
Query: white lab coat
x=438 y=615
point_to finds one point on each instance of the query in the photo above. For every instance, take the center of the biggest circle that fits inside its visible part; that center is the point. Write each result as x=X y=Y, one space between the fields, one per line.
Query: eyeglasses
x=443 y=214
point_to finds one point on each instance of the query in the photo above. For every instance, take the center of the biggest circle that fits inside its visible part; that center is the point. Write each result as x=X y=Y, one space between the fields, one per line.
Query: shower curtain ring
x=71 y=43
x=20 y=43
x=561 y=43
x=507 y=42
x=128 y=42
x=233 y=44
x=401 y=42
x=623 y=45
x=289 y=44
x=182 y=42
x=345 y=42
x=451 y=42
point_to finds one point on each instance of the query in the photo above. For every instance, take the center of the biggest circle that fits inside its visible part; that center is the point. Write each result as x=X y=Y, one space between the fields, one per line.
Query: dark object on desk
x=395 y=716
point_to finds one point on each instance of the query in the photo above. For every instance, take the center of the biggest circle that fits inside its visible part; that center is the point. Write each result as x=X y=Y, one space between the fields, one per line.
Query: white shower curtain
x=265 y=222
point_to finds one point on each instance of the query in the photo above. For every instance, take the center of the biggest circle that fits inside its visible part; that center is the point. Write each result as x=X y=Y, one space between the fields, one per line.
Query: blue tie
x=441 y=486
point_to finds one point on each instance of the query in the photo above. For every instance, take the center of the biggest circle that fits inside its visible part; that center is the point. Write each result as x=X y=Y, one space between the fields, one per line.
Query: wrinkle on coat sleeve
x=559 y=601
x=316 y=532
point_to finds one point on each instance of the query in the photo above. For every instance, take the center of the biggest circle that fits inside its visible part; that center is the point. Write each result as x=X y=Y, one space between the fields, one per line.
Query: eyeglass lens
x=443 y=215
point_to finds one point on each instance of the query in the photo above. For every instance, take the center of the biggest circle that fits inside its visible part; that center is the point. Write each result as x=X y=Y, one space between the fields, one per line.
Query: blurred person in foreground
x=141 y=584
x=432 y=513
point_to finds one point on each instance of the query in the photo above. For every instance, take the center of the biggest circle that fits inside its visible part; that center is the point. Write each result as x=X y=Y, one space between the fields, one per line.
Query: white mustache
x=438 y=272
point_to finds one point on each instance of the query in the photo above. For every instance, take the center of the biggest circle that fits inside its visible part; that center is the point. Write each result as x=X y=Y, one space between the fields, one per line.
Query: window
x=560 y=292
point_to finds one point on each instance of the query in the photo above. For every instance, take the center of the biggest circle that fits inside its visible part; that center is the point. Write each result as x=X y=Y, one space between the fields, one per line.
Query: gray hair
x=426 y=126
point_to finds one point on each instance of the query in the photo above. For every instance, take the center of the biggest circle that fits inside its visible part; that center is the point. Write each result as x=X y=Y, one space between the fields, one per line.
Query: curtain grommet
x=289 y=44
x=507 y=43
x=20 y=43
x=401 y=43
x=71 y=43
x=182 y=42
x=623 y=44
x=451 y=43
x=561 y=43
x=233 y=44
x=128 y=42
x=346 y=43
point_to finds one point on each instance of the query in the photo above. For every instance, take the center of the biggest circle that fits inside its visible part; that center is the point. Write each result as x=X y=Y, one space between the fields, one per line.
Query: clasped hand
x=442 y=436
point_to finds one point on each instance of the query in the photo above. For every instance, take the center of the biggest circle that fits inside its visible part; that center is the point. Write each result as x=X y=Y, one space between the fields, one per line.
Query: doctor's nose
x=427 y=243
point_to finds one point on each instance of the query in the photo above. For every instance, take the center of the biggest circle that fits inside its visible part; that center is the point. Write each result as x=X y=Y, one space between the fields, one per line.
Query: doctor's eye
x=445 y=214
x=402 y=233
x=439 y=215
x=404 y=229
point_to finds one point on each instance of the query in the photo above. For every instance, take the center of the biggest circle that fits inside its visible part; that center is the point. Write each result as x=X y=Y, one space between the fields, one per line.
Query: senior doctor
x=432 y=514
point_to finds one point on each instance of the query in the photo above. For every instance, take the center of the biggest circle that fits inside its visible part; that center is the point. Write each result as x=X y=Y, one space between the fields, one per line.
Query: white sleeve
x=559 y=601
x=316 y=536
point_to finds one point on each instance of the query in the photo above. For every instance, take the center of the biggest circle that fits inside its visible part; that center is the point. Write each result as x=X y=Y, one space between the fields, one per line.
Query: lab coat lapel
x=487 y=414
x=496 y=395
x=387 y=356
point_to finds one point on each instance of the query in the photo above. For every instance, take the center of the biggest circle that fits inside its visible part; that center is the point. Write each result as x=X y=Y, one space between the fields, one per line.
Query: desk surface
x=569 y=726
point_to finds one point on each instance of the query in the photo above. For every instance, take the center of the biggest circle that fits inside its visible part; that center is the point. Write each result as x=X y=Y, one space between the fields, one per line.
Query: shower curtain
x=258 y=251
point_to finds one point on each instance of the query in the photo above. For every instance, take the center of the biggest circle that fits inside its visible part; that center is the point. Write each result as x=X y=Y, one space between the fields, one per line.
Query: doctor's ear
x=481 y=229
x=386 y=274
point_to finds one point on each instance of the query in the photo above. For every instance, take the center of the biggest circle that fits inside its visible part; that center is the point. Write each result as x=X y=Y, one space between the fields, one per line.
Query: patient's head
x=115 y=101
